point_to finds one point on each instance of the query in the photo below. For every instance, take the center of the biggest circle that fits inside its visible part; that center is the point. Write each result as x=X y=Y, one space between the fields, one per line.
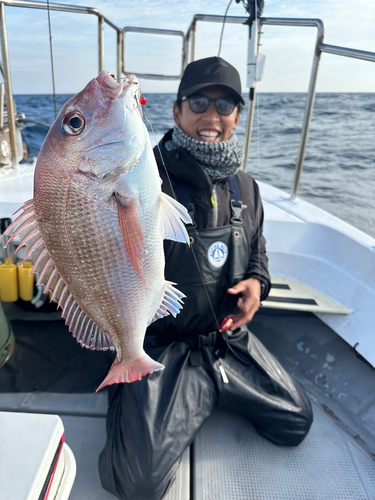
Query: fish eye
x=73 y=123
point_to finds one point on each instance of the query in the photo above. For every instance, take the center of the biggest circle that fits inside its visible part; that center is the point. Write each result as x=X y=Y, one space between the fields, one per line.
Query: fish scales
x=102 y=217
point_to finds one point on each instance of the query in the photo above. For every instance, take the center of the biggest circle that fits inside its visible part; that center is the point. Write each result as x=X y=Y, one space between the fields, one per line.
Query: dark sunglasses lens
x=199 y=103
x=225 y=106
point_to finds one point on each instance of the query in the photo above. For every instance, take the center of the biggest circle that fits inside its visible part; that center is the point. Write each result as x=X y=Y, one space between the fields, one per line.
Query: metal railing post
x=308 y=110
x=249 y=129
x=123 y=53
x=193 y=41
x=184 y=55
x=187 y=44
x=250 y=114
x=101 y=43
x=8 y=86
x=1 y=106
x=119 y=62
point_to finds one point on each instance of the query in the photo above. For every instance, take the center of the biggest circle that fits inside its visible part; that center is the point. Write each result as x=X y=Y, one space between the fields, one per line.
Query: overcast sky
x=288 y=50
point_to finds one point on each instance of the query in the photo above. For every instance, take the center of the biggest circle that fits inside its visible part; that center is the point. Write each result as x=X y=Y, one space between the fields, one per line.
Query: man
x=151 y=422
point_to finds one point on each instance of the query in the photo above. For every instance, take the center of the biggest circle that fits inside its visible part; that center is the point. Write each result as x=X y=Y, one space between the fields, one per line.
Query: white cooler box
x=35 y=461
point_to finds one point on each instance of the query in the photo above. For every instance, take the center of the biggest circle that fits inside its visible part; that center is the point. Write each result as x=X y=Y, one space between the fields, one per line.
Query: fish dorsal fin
x=172 y=213
x=80 y=325
x=171 y=302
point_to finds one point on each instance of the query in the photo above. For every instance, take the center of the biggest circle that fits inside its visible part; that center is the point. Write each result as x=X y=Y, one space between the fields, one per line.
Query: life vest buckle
x=237 y=207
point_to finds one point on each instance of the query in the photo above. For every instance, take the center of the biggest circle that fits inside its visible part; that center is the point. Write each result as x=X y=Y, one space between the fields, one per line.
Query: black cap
x=210 y=71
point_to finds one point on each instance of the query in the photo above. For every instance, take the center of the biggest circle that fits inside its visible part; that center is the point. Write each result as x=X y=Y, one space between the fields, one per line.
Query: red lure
x=226 y=324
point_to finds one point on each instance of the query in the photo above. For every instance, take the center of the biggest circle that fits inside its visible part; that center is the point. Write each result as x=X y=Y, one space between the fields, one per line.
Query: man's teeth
x=209 y=134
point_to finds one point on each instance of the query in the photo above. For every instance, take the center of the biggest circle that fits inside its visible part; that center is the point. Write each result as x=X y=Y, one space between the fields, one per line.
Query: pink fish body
x=96 y=225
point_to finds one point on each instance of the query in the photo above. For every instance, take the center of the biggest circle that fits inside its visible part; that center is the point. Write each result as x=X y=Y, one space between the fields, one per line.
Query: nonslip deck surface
x=230 y=460
x=233 y=462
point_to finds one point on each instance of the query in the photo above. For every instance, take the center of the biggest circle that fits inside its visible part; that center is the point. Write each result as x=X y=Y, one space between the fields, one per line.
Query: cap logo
x=215 y=68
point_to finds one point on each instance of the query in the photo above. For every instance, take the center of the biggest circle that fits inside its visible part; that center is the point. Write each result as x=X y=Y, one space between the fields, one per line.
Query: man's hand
x=249 y=302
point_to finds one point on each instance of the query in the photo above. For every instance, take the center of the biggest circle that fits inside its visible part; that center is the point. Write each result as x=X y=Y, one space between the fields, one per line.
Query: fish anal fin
x=83 y=328
x=172 y=216
x=121 y=373
x=131 y=231
x=171 y=302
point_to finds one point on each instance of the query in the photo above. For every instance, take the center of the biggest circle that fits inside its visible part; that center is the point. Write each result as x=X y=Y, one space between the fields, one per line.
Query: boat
x=318 y=321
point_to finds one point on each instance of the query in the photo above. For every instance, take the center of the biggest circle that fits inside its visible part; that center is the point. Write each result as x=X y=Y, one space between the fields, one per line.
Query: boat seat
x=291 y=295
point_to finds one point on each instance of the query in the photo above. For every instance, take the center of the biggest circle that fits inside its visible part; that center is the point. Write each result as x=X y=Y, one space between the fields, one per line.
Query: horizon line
x=244 y=94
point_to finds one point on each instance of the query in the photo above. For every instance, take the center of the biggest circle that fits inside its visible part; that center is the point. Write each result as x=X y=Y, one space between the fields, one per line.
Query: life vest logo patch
x=217 y=254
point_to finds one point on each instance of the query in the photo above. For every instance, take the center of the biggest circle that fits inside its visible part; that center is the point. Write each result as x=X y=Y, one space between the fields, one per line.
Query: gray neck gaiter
x=219 y=160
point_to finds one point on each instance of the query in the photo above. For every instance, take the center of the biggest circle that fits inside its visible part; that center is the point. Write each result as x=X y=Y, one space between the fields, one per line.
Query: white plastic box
x=35 y=461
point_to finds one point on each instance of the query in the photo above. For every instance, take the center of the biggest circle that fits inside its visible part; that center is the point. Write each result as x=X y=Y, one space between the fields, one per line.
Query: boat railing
x=188 y=55
x=191 y=34
x=153 y=31
x=319 y=48
x=5 y=67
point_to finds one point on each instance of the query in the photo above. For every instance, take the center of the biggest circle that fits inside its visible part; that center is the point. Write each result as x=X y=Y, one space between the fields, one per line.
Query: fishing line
x=51 y=54
x=160 y=153
x=175 y=197
x=222 y=29
x=258 y=172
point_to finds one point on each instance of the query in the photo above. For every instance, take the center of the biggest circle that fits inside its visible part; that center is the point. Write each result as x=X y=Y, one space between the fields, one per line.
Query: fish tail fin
x=121 y=373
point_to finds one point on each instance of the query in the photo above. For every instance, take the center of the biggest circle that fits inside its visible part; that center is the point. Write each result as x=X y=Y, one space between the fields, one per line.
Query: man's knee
x=291 y=428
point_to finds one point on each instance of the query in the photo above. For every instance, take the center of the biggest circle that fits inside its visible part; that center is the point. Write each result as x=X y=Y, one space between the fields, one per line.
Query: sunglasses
x=199 y=104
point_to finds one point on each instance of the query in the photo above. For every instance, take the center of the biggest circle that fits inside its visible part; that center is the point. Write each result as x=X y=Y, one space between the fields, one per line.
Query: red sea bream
x=96 y=225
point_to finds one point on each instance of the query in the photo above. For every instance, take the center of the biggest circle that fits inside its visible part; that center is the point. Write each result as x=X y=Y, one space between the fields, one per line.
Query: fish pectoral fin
x=131 y=231
x=171 y=302
x=172 y=213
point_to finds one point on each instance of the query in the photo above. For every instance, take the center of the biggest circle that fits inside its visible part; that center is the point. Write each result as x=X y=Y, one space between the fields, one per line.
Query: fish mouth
x=112 y=89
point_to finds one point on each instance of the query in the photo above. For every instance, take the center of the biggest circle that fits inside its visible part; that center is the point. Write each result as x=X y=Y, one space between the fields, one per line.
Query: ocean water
x=339 y=168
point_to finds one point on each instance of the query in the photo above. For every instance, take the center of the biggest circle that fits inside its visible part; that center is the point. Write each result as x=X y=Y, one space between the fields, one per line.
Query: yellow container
x=25 y=281
x=8 y=283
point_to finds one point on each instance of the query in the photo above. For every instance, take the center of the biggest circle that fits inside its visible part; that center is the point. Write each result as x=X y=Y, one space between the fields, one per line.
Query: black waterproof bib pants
x=151 y=422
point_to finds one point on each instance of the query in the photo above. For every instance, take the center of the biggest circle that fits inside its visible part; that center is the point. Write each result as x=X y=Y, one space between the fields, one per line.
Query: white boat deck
x=310 y=246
